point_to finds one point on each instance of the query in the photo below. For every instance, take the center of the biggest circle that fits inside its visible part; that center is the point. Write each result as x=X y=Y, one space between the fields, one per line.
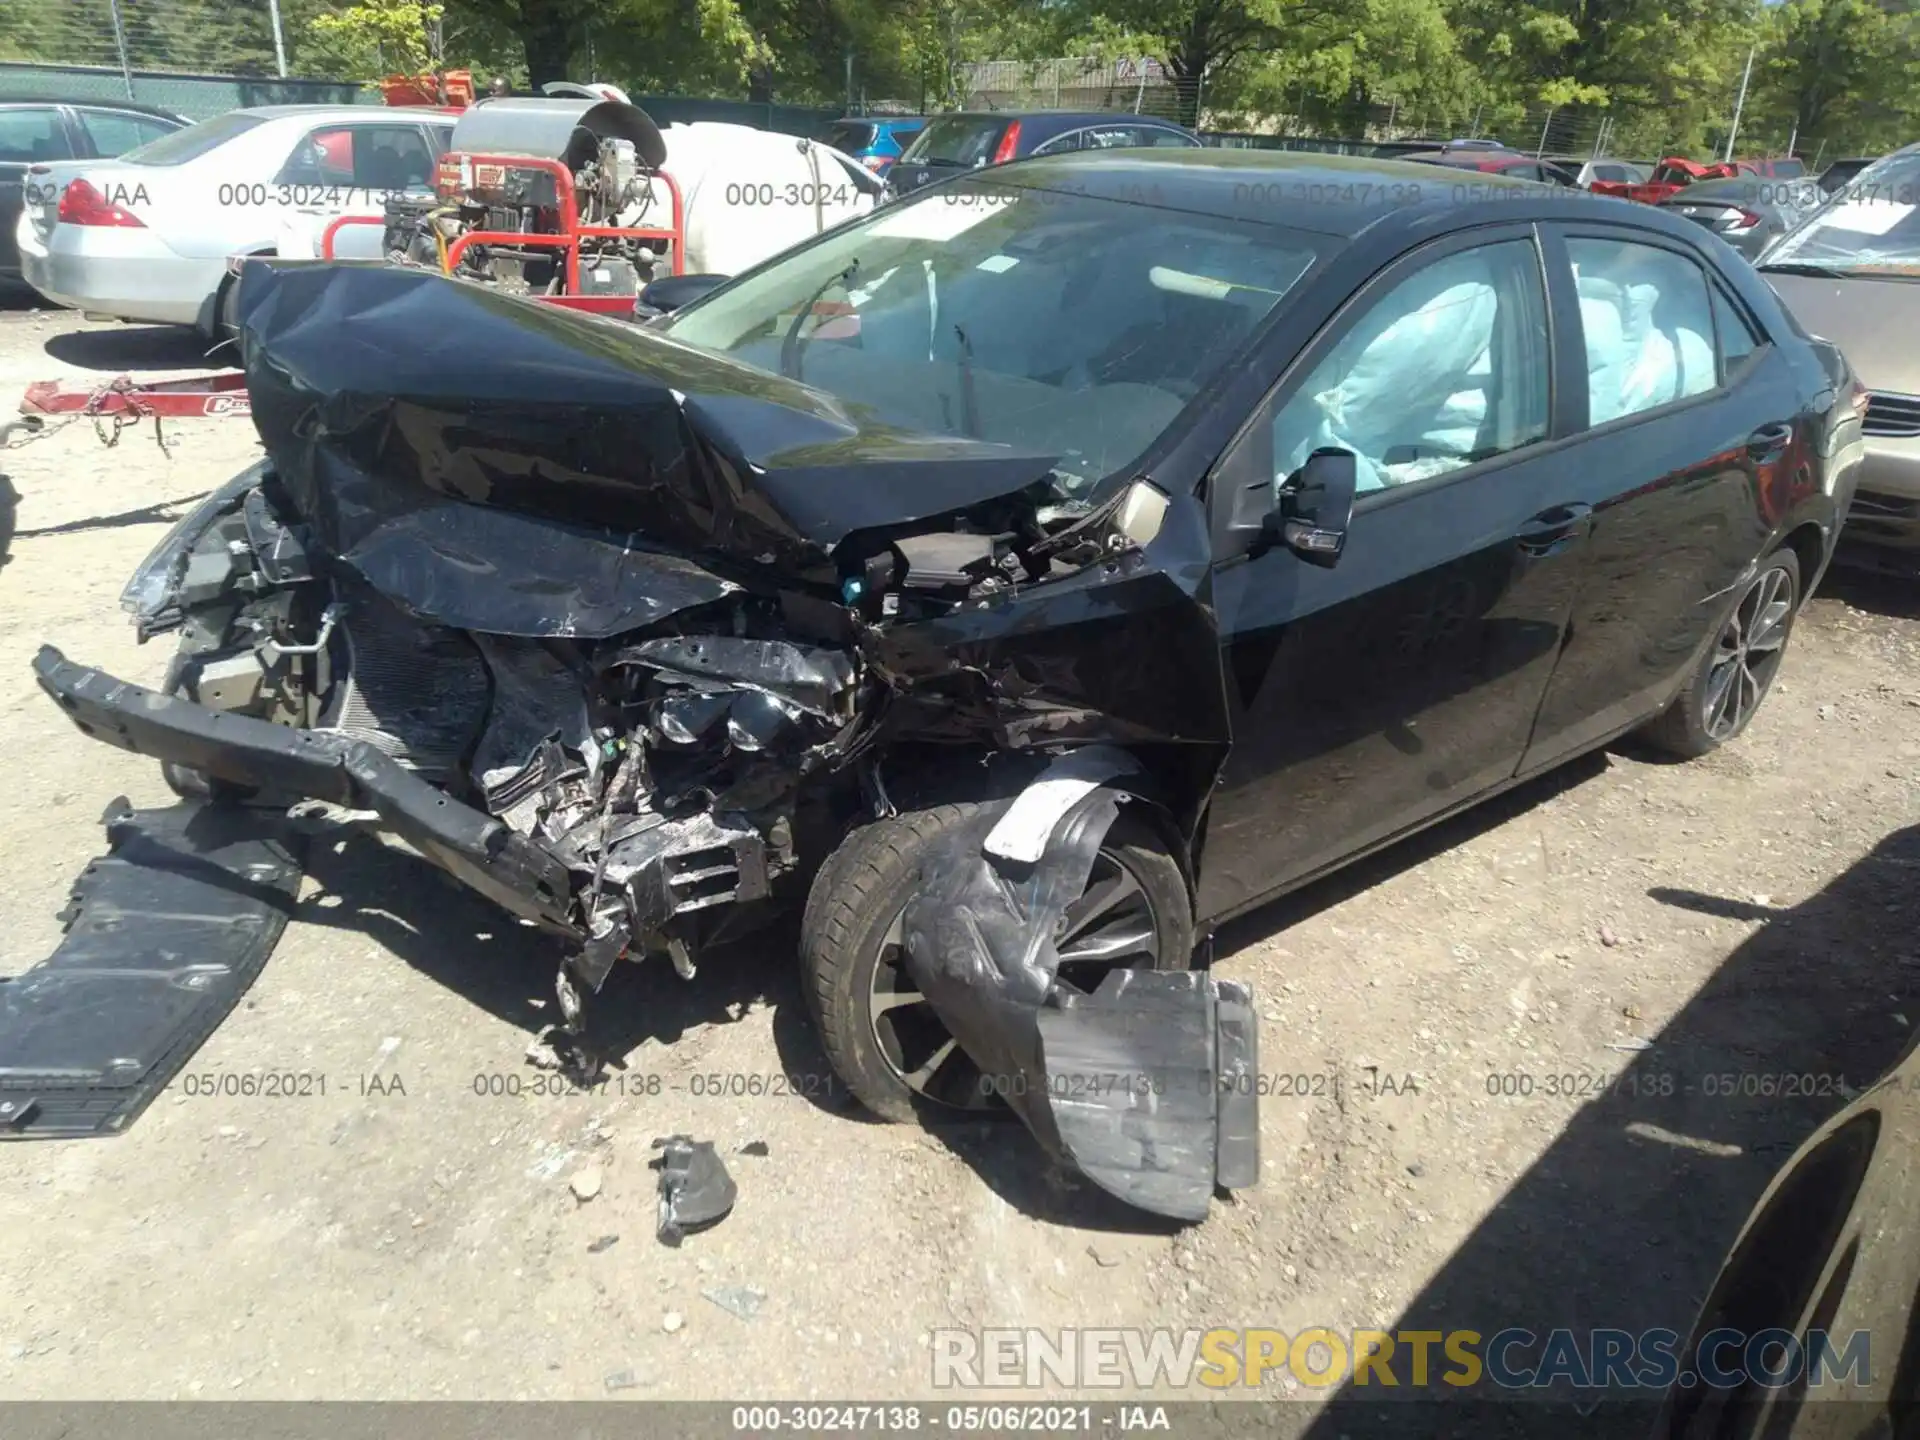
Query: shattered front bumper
x=472 y=846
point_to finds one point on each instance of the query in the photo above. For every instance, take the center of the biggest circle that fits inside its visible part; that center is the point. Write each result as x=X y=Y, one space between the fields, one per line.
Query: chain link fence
x=1144 y=86
x=197 y=58
x=1140 y=86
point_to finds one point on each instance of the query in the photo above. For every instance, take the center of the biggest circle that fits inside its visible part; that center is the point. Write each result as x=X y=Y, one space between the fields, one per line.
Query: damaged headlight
x=149 y=595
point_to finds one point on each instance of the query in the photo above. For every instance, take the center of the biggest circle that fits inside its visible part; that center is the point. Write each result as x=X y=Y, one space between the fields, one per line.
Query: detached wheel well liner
x=928 y=777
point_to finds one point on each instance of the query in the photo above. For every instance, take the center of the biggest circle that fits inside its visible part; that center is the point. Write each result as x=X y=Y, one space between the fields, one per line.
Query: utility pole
x=120 y=44
x=1740 y=104
x=849 y=109
x=279 y=41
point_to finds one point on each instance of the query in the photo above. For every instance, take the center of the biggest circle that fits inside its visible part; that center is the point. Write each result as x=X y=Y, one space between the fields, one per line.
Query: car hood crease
x=404 y=409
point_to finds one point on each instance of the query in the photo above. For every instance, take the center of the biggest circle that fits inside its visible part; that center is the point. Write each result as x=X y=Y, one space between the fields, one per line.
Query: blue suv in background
x=875 y=140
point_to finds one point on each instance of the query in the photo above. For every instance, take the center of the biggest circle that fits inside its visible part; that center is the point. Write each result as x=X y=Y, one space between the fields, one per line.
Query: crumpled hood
x=384 y=393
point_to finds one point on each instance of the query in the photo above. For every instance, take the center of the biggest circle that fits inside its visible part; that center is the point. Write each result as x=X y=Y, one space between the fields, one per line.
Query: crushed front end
x=628 y=639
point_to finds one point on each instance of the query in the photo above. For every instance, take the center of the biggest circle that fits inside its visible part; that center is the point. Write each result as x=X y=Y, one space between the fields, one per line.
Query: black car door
x=29 y=135
x=1689 y=446
x=1402 y=681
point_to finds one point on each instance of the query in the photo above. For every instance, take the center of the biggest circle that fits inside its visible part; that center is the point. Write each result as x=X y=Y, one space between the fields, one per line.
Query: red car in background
x=1676 y=172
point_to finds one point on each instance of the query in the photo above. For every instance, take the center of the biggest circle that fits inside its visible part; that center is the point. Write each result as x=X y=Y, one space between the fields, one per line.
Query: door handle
x=1768 y=441
x=1551 y=529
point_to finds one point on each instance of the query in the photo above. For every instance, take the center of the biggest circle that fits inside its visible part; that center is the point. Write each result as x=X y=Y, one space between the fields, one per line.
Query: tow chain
x=135 y=410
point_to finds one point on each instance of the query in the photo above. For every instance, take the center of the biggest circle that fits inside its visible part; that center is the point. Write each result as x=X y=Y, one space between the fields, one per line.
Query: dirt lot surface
x=409 y=1234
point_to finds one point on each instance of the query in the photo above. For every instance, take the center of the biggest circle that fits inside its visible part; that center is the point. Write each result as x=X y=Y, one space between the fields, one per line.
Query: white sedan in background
x=148 y=236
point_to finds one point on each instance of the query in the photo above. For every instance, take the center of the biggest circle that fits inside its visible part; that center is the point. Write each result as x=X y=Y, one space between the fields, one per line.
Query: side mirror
x=1316 y=507
x=672 y=292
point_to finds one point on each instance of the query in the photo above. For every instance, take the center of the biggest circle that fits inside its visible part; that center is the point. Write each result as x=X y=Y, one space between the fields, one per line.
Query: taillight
x=1747 y=219
x=1009 y=143
x=81 y=204
x=875 y=163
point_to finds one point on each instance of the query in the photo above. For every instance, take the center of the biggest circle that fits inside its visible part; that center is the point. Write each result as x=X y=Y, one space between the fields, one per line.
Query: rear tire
x=849 y=950
x=1737 y=673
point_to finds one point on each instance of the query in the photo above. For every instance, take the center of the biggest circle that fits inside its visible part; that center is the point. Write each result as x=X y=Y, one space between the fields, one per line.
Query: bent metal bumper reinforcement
x=472 y=846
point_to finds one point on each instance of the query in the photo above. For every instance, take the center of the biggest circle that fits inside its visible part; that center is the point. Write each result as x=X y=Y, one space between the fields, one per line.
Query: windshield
x=192 y=142
x=1869 y=225
x=1058 y=324
x=956 y=140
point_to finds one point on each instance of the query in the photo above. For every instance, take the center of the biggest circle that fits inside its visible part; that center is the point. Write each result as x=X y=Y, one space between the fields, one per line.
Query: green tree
x=372 y=38
x=1838 y=73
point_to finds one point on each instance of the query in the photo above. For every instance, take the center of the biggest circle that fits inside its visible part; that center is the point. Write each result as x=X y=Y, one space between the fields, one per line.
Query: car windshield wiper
x=1803 y=267
x=790 y=347
x=969 y=405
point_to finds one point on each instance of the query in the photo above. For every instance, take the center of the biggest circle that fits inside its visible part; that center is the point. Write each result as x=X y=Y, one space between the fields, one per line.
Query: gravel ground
x=407 y=1235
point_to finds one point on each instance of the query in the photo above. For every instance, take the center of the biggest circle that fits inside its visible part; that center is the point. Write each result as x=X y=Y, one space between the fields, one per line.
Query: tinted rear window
x=1786 y=169
x=957 y=140
x=192 y=142
x=851 y=137
x=31 y=136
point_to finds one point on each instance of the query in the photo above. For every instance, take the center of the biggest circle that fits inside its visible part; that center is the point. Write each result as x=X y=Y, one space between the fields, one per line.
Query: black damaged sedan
x=1019 y=580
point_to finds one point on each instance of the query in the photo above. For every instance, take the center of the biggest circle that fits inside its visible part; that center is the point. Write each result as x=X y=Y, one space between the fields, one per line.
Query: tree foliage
x=1651 y=76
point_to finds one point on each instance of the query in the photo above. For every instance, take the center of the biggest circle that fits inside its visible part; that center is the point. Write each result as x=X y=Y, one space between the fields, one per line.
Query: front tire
x=885 y=1044
x=1724 y=693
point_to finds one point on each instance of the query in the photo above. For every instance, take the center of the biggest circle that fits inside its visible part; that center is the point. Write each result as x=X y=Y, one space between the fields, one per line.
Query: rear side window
x=29 y=137
x=379 y=157
x=1153 y=136
x=194 y=141
x=957 y=140
x=1613 y=173
x=114 y=132
x=1647 y=318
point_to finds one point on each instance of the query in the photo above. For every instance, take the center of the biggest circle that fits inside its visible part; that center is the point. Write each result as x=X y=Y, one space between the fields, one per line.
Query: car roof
x=1075 y=117
x=1348 y=193
x=92 y=102
x=347 y=112
x=1469 y=159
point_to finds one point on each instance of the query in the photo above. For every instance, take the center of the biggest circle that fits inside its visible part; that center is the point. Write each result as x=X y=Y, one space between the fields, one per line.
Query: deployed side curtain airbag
x=1396 y=382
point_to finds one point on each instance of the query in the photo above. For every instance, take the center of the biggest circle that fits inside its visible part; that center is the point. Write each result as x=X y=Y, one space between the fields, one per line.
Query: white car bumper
x=116 y=271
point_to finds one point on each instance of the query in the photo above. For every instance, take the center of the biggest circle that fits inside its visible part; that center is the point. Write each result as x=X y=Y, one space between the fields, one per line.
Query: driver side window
x=1445 y=368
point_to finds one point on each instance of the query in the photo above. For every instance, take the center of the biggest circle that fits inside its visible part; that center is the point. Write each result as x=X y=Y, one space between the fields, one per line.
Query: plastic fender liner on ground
x=1145 y=1086
x=165 y=933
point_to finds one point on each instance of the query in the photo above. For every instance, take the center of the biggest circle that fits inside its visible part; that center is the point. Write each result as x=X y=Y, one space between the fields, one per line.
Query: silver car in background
x=1746 y=211
x=148 y=236
x=1850 y=273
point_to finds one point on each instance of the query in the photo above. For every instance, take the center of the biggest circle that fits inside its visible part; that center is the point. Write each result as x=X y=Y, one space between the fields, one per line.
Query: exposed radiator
x=418 y=692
